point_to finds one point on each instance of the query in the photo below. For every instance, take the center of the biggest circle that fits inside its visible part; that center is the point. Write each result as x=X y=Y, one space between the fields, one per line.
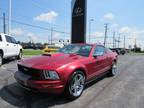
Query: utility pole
x=10 y=7
x=124 y=42
x=48 y=41
x=113 y=39
x=4 y=24
x=135 y=42
x=119 y=40
x=105 y=38
x=51 y=35
x=135 y=46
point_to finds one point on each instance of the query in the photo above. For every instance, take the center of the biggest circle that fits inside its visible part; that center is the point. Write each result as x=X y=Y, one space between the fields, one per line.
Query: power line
x=28 y=17
x=36 y=4
x=35 y=26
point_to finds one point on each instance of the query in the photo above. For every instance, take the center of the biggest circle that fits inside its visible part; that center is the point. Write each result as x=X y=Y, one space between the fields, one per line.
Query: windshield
x=83 y=50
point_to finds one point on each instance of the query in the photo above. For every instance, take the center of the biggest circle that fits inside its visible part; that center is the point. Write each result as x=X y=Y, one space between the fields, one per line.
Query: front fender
x=81 y=67
x=66 y=71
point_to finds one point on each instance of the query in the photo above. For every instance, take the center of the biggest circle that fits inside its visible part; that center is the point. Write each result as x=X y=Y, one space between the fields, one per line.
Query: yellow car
x=50 y=49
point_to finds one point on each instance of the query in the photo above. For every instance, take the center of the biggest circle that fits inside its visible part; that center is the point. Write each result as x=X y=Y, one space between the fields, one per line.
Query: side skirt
x=96 y=77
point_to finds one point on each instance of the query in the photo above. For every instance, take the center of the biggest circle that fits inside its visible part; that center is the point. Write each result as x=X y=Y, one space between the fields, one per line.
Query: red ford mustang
x=66 y=71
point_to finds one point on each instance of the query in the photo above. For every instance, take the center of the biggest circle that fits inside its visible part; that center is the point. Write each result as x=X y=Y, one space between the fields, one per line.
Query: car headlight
x=50 y=75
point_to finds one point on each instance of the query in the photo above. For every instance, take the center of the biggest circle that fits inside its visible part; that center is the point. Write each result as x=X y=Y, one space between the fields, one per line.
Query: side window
x=85 y=50
x=0 y=38
x=13 y=40
x=8 y=39
x=99 y=50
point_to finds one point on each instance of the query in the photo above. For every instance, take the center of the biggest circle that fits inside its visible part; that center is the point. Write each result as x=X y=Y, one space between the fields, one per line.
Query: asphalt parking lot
x=123 y=91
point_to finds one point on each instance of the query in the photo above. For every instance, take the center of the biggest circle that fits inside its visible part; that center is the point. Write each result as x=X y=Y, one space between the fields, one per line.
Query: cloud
x=131 y=34
x=97 y=37
x=32 y=37
x=49 y=17
x=115 y=25
x=56 y=36
x=125 y=30
x=98 y=34
x=17 y=32
x=109 y=16
x=134 y=32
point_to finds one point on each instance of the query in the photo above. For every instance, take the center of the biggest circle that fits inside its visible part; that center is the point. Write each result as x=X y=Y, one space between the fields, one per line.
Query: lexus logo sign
x=78 y=12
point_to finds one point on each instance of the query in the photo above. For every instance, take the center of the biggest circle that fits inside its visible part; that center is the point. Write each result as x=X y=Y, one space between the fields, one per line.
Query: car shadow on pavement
x=7 y=61
x=19 y=97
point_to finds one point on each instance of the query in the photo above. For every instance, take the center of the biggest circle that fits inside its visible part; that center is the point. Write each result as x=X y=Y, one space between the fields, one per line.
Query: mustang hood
x=50 y=61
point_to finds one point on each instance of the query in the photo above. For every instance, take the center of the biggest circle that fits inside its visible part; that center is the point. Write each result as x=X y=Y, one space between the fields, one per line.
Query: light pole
x=4 y=24
x=10 y=8
x=90 y=21
x=51 y=35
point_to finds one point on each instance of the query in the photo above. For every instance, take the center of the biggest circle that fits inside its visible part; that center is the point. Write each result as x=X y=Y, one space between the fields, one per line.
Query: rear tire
x=75 y=86
x=113 y=71
x=1 y=59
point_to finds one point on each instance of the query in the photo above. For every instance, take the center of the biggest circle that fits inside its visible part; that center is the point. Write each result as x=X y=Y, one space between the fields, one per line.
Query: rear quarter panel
x=114 y=56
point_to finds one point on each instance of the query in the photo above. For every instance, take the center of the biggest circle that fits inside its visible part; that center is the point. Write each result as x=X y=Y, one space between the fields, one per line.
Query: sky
x=124 y=17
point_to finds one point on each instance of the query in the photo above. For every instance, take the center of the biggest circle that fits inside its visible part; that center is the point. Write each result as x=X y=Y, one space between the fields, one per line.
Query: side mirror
x=18 y=42
x=95 y=55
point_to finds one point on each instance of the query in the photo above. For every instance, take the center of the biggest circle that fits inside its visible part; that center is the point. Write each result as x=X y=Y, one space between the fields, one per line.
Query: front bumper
x=49 y=86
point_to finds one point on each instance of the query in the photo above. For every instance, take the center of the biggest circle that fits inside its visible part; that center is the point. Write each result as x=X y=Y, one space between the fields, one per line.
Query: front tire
x=75 y=86
x=1 y=59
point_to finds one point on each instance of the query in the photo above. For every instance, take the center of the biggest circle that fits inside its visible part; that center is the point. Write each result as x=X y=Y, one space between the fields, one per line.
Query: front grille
x=29 y=71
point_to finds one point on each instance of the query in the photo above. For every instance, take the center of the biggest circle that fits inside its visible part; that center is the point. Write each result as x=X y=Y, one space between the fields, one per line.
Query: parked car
x=119 y=51
x=122 y=51
x=116 y=50
x=38 y=46
x=68 y=70
x=9 y=48
x=50 y=49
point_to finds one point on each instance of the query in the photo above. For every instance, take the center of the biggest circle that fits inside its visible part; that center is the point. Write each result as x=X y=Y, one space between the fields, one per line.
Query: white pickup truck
x=9 y=48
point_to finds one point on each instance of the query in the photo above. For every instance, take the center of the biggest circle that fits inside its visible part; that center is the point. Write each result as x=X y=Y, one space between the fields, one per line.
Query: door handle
x=7 y=44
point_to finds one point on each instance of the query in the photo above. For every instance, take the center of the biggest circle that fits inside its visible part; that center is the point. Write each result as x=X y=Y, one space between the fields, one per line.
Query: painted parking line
x=3 y=67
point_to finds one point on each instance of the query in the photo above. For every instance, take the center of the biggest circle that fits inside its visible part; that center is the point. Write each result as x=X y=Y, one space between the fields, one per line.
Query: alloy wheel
x=77 y=85
x=0 y=60
x=114 y=69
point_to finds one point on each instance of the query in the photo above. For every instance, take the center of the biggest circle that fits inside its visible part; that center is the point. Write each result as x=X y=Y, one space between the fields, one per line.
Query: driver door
x=98 y=61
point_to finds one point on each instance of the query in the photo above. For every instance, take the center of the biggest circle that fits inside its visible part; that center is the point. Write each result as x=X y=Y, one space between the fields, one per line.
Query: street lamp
x=90 y=21
x=51 y=35
x=10 y=7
